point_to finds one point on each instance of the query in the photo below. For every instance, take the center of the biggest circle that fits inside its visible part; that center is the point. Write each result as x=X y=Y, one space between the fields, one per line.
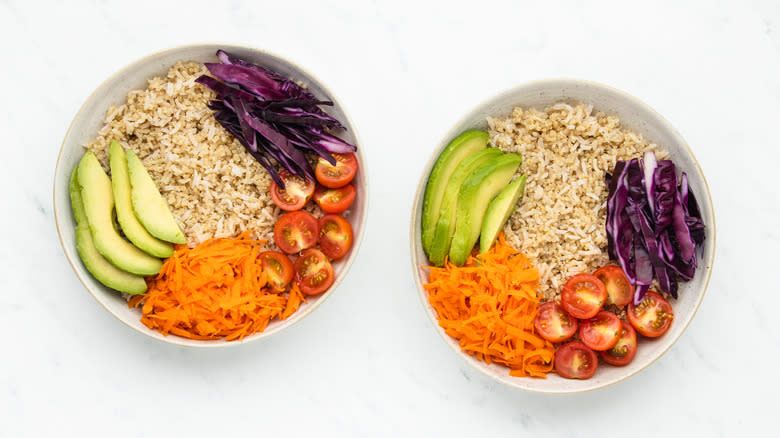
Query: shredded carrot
x=213 y=291
x=489 y=305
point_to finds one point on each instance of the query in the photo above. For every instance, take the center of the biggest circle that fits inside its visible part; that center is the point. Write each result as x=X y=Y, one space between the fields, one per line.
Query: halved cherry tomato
x=296 y=231
x=553 y=323
x=340 y=174
x=624 y=351
x=600 y=332
x=313 y=272
x=334 y=200
x=575 y=361
x=296 y=192
x=619 y=290
x=278 y=268
x=335 y=235
x=652 y=316
x=583 y=295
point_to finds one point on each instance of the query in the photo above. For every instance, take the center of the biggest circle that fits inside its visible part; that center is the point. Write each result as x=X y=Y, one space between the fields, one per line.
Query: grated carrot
x=215 y=290
x=489 y=305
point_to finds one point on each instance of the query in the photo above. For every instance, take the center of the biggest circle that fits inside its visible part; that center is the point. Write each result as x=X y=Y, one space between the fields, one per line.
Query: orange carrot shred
x=489 y=305
x=213 y=291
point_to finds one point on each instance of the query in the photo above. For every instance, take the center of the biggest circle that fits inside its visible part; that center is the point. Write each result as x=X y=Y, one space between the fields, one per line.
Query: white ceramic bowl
x=113 y=91
x=634 y=115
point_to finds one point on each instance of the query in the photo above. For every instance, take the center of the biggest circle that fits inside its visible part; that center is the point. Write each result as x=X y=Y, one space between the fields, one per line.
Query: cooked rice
x=566 y=151
x=213 y=186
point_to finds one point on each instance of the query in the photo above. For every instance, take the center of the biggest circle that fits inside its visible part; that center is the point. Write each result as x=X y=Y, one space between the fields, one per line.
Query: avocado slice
x=96 y=264
x=445 y=227
x=475 y=194
x=98 y=201
x=498 y=211
x=133 y=230
x=148 y=204
x=461 y=147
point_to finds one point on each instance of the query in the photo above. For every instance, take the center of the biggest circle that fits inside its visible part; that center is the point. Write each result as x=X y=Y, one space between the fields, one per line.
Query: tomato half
x=619 y=290
x=624 y=351
x=296 y=231
x=583 y=295
x=553 y=323
x=335 y=235
x=335 y=200
x=296 y=192
x=313 y=272
x=575 y=361
x=340 y=174
x=278 y=268
x=600 y=332
x=653 y=315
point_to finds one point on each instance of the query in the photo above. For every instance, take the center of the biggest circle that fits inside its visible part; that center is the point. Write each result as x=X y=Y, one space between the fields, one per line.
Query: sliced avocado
x=96 y=264
x=461 y=147
x=98 y=203
x=498 y=211
x=445 y=227
x=475 y=194
x=131 y=227
x=148 y=204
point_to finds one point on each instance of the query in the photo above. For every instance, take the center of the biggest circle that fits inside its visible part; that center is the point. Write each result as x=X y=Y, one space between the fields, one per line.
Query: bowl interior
x=636 y=116
x=90 y=119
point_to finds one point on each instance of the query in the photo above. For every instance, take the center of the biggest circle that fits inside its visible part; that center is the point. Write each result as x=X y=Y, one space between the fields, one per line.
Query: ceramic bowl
x=634 y=115
x=113 y=91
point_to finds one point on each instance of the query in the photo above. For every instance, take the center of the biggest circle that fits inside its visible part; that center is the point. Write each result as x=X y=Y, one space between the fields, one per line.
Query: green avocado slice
x=475 y=194
x=461 y=147
x=445 y=227
x=498 y=212
x=96 y=264
x=131 y=227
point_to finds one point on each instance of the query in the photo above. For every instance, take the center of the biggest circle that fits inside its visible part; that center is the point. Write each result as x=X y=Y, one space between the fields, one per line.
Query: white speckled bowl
x=113 y=91
x=634 y=115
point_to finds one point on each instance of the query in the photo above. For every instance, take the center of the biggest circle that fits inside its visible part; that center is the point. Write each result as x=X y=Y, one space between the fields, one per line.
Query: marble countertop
x=368 y=362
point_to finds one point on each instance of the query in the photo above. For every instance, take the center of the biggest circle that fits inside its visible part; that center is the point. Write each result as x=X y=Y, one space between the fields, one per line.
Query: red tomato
x=278 y=268
x=335 y=235
x=653 y=316
x=296 y=192
x=624 y=351
x=340 y=174
x=600 y=332
x=583 y=295
x=553 y=323
x=335 y=200
x=313 y=272
x=619 y=290
x=296 y=231
x=575 y=361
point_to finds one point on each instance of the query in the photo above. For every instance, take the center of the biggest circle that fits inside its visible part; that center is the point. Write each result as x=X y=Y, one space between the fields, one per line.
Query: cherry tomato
x=296 y=231
x=278 y=268
x=335 y=200
x=653 y=316
x=624 y=351
x=583 y=295
x=600 y=332
x=335 y=235
x=619 y=290
x=313 y=272
x=553 y=323
x=296 y=192
x=340 y=174
x=575 y=361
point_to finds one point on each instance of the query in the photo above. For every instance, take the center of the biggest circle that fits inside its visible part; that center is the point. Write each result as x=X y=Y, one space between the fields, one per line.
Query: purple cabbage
x=275 y=119
x=653 y=224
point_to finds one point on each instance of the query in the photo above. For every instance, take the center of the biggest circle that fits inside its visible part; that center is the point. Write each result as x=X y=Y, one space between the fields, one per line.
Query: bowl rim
x=457 y=127
x=192 y=343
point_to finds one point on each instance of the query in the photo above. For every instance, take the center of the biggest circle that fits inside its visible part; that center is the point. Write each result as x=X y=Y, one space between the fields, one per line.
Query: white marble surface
x=368 y=363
